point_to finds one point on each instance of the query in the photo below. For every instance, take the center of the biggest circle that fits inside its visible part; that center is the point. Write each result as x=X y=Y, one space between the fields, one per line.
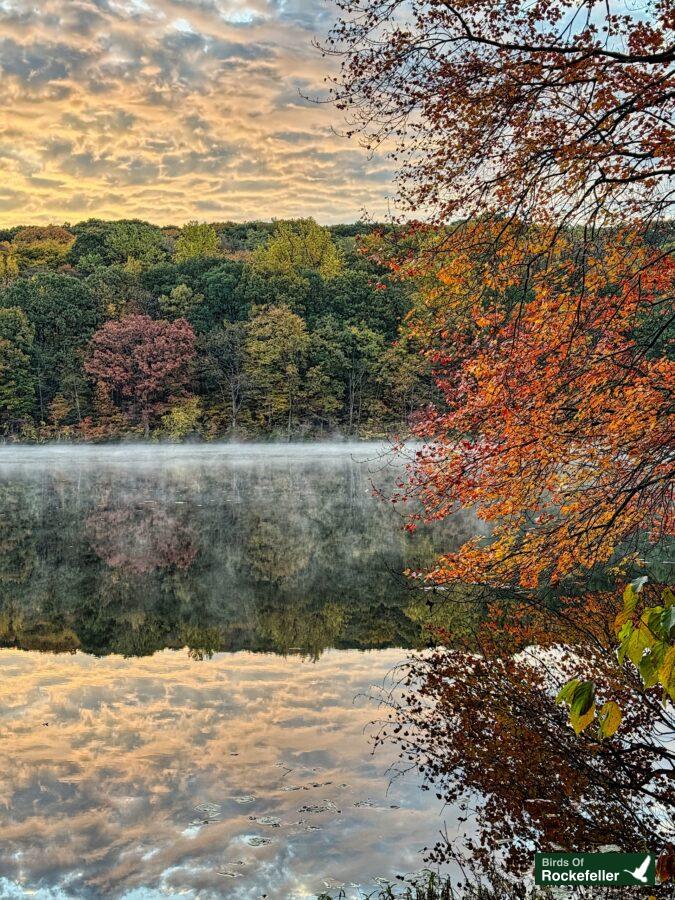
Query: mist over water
x=190 y=635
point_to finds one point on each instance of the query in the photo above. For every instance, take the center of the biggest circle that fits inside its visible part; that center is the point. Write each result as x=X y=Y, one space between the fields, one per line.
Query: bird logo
x=640 y=874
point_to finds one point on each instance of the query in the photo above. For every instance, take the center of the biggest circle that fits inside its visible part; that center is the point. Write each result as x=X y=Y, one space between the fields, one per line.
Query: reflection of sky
x=104 y=763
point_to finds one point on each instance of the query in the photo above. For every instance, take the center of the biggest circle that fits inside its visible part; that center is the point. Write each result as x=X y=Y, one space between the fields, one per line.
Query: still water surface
x=189 y=638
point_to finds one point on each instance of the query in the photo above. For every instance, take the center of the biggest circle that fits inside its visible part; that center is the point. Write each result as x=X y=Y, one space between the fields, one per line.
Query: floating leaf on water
x=212 y=810
x=367 y=803
x=291 y=787
x=245 y=798
x=231 y=874
x=256 y=840
x=272 y=821
x=324 y=806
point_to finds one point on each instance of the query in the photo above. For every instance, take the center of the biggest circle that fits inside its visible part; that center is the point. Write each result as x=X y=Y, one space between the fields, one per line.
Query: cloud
x=194 y=106
x=133 y=783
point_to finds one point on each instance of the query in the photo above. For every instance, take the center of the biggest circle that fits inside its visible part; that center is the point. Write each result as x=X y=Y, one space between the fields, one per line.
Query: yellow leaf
x=666 y=673
x=581 y=722
x=610 y=719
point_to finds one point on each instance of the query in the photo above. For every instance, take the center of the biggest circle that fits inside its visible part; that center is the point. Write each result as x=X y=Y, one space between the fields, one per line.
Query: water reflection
x=131 y=551
x=243 y=775
x=139 y=759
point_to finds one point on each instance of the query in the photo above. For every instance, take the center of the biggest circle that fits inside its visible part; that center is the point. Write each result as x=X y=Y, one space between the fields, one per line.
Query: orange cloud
x=172 y=110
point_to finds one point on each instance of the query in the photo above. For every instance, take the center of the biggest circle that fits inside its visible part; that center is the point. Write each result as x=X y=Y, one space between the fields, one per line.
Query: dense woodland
x=123 y=329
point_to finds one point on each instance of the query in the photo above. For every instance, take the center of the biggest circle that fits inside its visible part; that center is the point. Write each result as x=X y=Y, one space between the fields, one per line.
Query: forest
x=122 y=329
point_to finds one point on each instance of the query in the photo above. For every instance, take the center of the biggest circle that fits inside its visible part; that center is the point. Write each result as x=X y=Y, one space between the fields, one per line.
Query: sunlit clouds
x=130 y=778
x=172 y=110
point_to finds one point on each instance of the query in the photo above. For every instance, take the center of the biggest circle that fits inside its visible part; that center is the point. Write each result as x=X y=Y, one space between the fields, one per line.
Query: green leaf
x=640 y=639
x=651 y=663
x=609 y=719
x=652 y=620
x=668 y=597
x=582 y=707
x=668 y=621
x=566 y=692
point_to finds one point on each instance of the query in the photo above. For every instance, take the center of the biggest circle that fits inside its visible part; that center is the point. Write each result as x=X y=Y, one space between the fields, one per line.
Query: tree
x=223 y=298
x=379 y=302
x=276 y=345
x=9 y=265
x=141 y=363
x=223 y=363
x=296 y=246
x=63 y=315
x=42 y=245
x=182 y=419
x=555 y=421
x=559 y=108
x=132 y=242
x=181 y=303
x=196 y=240
x=17 y=382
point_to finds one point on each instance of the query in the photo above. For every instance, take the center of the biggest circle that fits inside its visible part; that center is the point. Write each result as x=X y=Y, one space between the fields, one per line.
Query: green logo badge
x=594 y=868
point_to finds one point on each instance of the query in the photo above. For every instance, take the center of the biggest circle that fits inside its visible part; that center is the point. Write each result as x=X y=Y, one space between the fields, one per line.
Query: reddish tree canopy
x=141 y=363
x=556 y=425
x=526 y=106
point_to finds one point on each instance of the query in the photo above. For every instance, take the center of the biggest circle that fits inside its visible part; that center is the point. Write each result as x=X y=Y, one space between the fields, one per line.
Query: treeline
x=123 y=329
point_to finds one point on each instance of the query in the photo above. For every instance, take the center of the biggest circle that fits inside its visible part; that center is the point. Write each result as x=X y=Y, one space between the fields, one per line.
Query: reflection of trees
x=139 y=538
x=17 y=525
x=302 y=628
x=262 y=556
x=275 y=552
x=486 y=733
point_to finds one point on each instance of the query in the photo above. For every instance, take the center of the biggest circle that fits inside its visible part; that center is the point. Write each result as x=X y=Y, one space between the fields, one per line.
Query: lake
x=191 y=638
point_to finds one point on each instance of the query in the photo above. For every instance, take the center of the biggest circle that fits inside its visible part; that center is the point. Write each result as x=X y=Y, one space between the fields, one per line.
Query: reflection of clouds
x=121 y=84
x=103 y=797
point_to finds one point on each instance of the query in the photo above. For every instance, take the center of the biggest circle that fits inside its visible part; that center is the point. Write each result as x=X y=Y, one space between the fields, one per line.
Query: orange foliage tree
x=556 y=424
x=559 y=108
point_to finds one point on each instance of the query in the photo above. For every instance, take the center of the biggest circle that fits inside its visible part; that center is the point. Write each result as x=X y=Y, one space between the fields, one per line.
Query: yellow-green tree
x=276 y=348
x=298 y=246
x=9 y=265
x=196 y=240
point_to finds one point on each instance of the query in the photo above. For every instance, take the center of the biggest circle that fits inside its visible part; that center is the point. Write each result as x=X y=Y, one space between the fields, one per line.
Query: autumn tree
x=196 y=240
x=276 y=346
x=555 y=423
x=141 y=363
x=554 y=109
x=511 y=123
x=296 y=246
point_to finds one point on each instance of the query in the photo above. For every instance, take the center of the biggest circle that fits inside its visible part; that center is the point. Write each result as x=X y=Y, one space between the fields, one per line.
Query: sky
x=171 y=110
x=152 y=775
